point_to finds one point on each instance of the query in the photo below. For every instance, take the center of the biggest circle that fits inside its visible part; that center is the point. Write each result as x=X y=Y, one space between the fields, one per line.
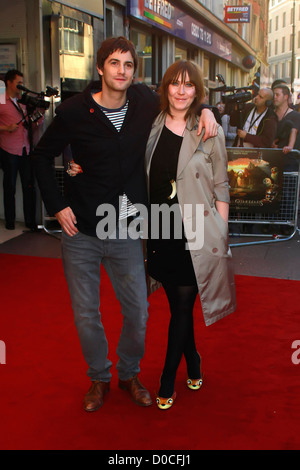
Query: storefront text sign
x=166 y=16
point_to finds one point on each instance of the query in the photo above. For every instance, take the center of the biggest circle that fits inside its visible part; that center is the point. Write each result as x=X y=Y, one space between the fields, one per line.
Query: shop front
x=163 y=33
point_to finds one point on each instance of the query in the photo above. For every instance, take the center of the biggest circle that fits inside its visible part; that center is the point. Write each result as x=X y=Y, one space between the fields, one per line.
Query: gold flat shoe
x=194 y=384
x=165 y=403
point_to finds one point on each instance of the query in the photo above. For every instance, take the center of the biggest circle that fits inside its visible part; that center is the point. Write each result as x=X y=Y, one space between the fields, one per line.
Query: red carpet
x=250 y=397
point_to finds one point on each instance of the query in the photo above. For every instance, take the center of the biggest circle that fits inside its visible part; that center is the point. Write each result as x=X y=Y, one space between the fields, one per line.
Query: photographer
x=15 y=146
x=259 y=122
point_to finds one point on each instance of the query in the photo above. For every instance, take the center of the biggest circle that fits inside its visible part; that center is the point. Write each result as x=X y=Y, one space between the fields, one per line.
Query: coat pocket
x=222 y=225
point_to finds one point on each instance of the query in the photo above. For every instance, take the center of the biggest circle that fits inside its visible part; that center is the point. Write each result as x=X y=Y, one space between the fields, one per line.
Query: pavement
x=277 y=258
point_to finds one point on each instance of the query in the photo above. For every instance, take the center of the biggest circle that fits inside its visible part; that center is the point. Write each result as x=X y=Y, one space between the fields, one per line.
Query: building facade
x=284 y=43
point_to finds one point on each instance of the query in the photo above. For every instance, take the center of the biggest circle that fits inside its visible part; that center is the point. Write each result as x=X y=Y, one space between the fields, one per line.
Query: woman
x=186 y=173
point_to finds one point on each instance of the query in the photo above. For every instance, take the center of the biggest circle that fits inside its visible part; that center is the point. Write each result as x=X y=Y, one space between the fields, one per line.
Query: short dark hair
x=285 y=89
x=278 y=82
x=180 y=69
x=11 y=75
x=110 y=45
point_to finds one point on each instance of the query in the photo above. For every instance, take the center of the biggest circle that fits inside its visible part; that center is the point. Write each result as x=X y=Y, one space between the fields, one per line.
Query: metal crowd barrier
x=50 y=224
x=240 y=221
x=287 y=215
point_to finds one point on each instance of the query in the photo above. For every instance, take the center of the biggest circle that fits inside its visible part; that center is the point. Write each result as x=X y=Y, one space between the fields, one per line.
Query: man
x=107 y=127
x=287 y=138
x=259 y=122
x=288 y=130
x=14 y=148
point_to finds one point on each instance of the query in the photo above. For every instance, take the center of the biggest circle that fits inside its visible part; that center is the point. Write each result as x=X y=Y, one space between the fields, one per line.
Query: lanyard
x=253 y=121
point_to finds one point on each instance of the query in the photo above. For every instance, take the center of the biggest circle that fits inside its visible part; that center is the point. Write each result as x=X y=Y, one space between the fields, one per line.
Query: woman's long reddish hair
x=180 y=69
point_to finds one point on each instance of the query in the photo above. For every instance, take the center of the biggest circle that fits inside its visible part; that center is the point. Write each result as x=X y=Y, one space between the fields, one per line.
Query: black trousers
x=11 y=165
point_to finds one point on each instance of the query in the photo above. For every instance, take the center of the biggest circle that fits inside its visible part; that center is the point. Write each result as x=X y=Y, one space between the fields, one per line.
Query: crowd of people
x=269 y=121
x=133 y=147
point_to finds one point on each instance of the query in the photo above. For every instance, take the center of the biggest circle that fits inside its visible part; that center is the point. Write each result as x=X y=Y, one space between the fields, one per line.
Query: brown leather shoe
x=94 y=397
x=138 y=393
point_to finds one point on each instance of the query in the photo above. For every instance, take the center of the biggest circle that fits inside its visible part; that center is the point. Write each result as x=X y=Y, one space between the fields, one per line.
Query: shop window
x=143 y=46
x=109 y=23
x=206 y=68
x=180 y=53
x=76 y=56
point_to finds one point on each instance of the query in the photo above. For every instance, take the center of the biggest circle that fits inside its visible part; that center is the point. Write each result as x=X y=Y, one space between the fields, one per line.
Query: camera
x=239 y=95
x=33 y=100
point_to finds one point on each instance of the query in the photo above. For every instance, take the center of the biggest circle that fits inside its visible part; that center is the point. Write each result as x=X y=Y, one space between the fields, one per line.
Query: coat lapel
x=156 y=130
x=189 y=145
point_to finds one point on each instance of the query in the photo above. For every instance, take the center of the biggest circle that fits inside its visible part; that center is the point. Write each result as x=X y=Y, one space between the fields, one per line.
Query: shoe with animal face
x=165 y=403
x=194 y=384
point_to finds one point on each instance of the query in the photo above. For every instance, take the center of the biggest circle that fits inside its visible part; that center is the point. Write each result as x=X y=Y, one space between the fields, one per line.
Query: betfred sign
x=237 y=14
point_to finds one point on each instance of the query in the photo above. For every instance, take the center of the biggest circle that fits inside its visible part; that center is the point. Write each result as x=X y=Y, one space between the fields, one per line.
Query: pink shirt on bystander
x=13 y=142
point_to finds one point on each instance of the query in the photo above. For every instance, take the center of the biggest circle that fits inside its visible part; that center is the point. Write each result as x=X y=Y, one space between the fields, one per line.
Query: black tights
x=181 y=339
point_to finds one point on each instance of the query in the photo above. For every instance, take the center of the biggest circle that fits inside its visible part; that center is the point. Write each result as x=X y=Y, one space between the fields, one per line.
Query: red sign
x=237 y=14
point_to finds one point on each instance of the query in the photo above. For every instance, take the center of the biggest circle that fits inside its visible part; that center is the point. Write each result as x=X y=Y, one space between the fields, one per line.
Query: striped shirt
x=116 y=117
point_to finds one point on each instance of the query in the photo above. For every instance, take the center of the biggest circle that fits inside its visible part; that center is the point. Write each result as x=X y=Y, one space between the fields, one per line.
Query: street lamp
x=293 y=47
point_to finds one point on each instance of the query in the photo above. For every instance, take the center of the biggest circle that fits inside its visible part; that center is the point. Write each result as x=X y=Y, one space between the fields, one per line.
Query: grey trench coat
x=202 y=179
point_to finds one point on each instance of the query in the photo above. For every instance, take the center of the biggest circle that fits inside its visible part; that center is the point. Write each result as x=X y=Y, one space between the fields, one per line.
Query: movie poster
x=255 y=179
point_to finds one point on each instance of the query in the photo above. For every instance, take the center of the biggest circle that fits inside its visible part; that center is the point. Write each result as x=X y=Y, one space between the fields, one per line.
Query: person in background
x=288 y=130
x=183 y=170
x=287 y=138
x=229 y=131
x=259 y=122
x=15 y=147
x=107 y=127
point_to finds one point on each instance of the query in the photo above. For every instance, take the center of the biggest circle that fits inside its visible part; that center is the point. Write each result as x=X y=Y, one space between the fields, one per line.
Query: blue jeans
x=123 y=261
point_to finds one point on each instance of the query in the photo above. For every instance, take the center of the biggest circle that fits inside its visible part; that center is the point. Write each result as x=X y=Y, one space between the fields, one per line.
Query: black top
x=288 y=122
x=169 y=260
x=164 y=167
x=163 y=181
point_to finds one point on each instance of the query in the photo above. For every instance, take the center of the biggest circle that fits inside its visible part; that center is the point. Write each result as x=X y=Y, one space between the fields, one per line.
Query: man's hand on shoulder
x=209 y=123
